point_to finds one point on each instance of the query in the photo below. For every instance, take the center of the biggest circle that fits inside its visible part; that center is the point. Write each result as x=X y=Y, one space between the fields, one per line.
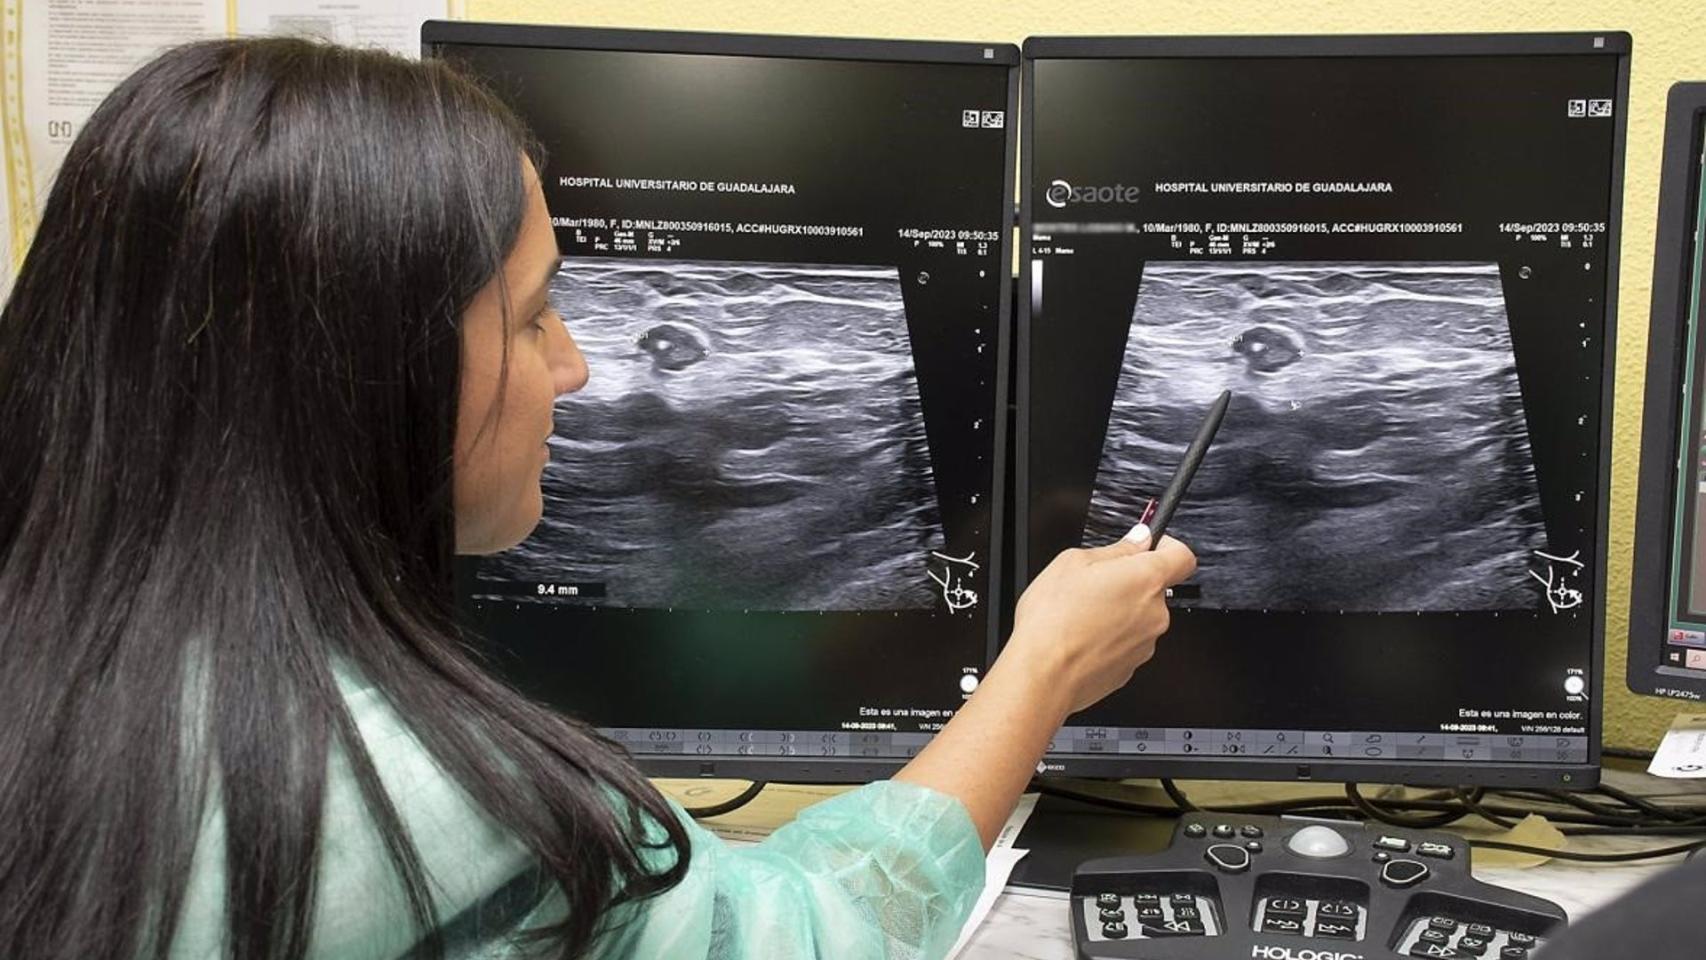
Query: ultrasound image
x=1375 y=456
x=750 y=438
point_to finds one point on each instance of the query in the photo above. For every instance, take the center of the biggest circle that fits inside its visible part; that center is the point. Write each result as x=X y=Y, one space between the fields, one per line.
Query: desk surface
x=1026 y=925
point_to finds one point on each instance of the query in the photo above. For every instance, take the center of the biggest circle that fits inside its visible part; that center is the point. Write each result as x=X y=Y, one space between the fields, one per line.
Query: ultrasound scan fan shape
x=1376 y=456
x=750 y=438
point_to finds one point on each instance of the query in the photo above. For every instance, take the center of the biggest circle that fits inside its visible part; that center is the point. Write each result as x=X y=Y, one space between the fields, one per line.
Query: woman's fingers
x=1171 y=559
x=1177 y=560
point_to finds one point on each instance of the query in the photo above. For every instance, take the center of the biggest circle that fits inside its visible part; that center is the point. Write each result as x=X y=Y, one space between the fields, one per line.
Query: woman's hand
x=1092 y=616
x=1085 y=624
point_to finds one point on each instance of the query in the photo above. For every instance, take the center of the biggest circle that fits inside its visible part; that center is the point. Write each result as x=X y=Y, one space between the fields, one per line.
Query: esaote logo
x=1060 y=193
x=1260 y=952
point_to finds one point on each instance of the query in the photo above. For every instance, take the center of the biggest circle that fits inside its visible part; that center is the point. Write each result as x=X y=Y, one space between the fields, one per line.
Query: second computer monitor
x=1399 y=253
x=1667 y=593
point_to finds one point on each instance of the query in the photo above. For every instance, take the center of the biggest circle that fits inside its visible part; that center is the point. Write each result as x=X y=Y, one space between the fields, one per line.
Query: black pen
x=1187 y=468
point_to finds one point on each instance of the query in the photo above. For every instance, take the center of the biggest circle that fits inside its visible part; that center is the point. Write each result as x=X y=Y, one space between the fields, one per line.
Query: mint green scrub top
x=887 y=870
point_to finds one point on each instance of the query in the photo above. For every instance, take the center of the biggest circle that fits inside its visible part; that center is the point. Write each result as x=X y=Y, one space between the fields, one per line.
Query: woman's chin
x=529 y=517
x=497 y=538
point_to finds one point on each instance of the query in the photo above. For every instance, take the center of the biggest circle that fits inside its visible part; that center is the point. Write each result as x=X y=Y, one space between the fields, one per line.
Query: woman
x=279 y=349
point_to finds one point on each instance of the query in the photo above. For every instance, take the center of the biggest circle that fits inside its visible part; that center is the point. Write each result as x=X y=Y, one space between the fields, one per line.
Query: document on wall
x=60 y=58
x=392 y=24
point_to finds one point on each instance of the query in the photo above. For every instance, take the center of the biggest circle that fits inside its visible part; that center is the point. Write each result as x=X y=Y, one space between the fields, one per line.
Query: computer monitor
x=1667 y=594
x=1400 y=254
x=771 y=524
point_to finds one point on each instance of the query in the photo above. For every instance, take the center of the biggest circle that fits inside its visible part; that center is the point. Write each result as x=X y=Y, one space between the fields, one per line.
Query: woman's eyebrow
x=539 y=296
x=551 y=272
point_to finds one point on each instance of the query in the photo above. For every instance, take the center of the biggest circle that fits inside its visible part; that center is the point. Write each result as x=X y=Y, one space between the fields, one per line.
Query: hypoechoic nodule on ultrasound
x=1375 y=458
x=750 y=437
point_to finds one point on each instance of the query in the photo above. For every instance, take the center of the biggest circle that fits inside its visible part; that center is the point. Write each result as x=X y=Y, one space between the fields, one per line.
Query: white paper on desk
x=1682 y=753
x=997 y=867
x=1015 y=821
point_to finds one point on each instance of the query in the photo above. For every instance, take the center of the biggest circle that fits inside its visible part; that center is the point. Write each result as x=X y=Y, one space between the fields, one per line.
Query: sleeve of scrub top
x=890 y=870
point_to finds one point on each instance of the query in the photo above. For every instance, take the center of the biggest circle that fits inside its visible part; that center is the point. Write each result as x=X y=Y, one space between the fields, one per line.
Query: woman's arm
x=1088 y=621
x=891 y=870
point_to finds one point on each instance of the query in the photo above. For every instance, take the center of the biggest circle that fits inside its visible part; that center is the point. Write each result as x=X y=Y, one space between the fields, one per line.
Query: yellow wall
x=1670 y=45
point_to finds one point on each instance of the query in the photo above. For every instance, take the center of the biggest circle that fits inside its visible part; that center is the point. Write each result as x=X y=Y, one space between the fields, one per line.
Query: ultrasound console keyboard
x=1269 y=888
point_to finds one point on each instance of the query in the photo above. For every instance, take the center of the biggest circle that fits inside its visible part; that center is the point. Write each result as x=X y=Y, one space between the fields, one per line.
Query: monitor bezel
x=1661 y=447
x=439 y=34
x=1606 y=43
x=435 y=33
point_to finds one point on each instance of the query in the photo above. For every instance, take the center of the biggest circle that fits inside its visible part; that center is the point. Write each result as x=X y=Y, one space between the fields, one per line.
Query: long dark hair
x=228 y=390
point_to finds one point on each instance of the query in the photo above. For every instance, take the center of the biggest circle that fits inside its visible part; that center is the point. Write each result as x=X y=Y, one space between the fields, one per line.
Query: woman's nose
x=568 y=364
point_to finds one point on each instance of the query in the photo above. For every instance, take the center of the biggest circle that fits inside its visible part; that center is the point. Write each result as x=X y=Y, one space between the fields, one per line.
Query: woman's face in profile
x=504 y=418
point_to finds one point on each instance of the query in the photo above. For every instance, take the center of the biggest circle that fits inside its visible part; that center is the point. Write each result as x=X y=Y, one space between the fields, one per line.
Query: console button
x=1513 y=953
x=1442 y=923
x=1223 y=830
x=1108 y=901
x=1285 y=907
x=1433 y=936
x=1395 y=844
x=1186 y=913
x=1337 y=929
x=1482 y=930
x=1381 y=856
x=1520 y=939
x=1318 y=842
x=1471 y=946
x=1174 y=928
x=1250 y=830
x=1145 y=899
x=1109 y=915
x=1336 y=909
x=1195 y=831
x=1184 y=899
x=1433 y=950
x=1282 y=925
x=1254 y=846
x=1228 y=858
x=1150 y=914
x=1403 y=873
x=1441 y=850
x=1114 y=930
